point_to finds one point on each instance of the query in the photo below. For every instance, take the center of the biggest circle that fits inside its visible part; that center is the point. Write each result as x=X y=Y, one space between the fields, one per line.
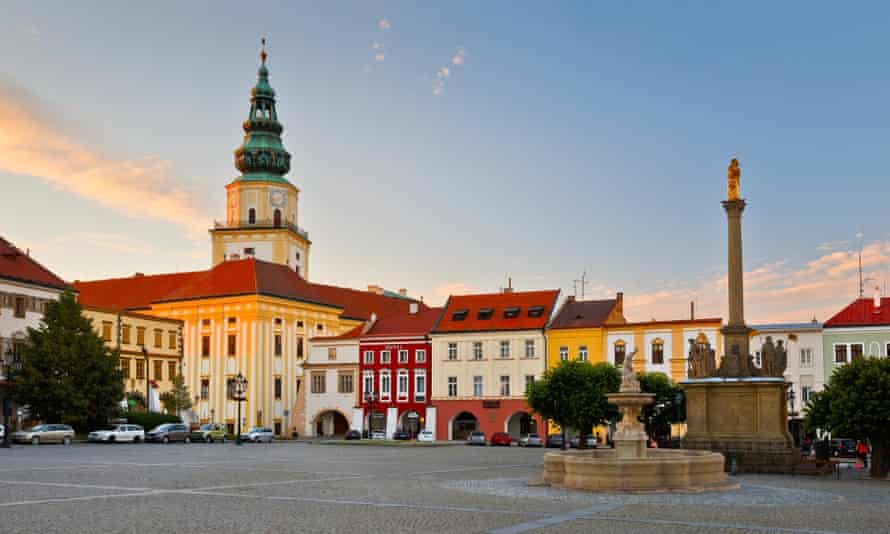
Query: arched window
x=657 y=351
x=277 y=218
x=251 y=216
x=620 y=350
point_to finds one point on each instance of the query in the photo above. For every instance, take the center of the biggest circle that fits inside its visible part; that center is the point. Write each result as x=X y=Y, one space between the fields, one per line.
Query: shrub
x=149 y=420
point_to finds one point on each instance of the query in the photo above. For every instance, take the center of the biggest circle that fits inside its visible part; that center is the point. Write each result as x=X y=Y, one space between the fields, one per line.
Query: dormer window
x=536 y=311
x=459 y=315
x=511 y=313
x=484 y=313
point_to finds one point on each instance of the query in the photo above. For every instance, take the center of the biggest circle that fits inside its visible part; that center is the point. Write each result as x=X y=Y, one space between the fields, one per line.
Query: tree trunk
x=880 y=461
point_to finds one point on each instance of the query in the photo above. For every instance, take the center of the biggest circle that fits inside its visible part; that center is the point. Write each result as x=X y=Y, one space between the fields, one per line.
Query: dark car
x=843 y=448
x=501 y=438
x=589 y=442
x=352 y=434
x=169 y=432
x=401 y=435
x=554 y=441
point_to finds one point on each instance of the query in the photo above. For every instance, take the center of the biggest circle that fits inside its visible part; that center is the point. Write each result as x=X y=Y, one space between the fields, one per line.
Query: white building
x=805 y=371
x=331 y=393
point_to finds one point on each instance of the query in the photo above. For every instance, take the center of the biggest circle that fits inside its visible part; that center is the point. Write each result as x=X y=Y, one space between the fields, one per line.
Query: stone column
x=736 y=333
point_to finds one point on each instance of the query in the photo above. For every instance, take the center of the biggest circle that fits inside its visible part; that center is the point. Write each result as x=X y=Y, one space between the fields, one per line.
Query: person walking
x=862 y=453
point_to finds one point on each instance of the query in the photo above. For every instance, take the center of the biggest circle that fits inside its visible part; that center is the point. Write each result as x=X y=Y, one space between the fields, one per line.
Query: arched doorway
x=410 y=422
x=276 y=218
x=462 y=424
x=331 y=423
x=520 y=424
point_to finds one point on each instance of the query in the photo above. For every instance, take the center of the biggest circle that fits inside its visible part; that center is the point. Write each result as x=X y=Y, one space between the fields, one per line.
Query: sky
x=447 y=147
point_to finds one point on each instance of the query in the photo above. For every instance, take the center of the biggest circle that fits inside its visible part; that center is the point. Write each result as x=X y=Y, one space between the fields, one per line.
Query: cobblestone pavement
x=297 y=487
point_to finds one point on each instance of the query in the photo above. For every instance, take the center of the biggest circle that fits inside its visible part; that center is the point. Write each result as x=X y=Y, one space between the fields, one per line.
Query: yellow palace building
x=254 y=311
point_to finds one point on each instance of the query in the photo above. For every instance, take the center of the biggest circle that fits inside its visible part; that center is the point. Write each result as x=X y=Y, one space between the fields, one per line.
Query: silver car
x=476 y=438
x=531 y=440
x=259 y=434
x=45 y=434
x=118 y=433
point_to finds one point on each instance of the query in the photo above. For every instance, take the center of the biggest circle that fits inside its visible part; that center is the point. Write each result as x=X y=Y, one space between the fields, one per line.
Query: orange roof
x=133 y=293
x=497 y=311
x=354 y=333
x=861 y=312
x=405 y=324
x=18 y=266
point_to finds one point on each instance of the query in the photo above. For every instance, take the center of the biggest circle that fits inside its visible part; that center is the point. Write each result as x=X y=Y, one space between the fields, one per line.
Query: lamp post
x=791 y=396
x=370 y=399
x=147 y=385
x=6 y=367
x=240 y=384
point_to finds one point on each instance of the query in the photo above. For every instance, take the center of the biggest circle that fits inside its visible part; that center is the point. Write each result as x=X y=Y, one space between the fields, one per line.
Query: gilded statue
x=732 y=180
x=629 y=380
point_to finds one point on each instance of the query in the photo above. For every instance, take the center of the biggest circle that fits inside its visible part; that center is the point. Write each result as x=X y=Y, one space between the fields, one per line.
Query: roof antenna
x=582 y=282
x=859 y=236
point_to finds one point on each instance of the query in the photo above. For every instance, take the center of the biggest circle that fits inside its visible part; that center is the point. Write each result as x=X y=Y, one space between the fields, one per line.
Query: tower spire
x=263 y=54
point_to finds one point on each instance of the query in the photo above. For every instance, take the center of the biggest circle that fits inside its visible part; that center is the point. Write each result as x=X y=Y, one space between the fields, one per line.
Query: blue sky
x=580 y=136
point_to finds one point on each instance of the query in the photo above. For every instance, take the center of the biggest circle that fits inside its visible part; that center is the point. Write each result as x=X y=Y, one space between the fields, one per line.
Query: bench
x=817 y=466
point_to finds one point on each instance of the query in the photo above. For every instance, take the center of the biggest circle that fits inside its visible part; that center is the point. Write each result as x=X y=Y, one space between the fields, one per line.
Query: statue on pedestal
x=733 y=173
x=629 y=382
x=702 y=361
x=773 y=358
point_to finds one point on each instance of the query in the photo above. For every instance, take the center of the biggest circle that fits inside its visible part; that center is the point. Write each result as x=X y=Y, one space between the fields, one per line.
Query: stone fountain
x=630 y=466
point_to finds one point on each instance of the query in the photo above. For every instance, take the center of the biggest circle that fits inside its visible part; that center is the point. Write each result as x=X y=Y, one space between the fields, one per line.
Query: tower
x=261 y=204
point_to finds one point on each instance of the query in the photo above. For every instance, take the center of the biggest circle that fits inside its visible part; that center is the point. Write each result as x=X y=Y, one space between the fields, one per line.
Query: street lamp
x=6 y=367
x=147 y=387
x=790 y=396
x=370 y=399
x=240 y=385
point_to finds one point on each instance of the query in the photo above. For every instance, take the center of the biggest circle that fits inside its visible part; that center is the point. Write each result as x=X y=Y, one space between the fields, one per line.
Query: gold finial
x=732 y=180
x=263 y=54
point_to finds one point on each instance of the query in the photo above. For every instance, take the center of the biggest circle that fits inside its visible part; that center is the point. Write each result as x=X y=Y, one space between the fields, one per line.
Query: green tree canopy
x=856 y=404
x=668 y=407
x=573 y=394
x=178 y=398
x=67 y=374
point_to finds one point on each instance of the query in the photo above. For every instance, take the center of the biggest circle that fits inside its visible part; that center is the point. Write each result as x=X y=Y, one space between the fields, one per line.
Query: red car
x=501 y=438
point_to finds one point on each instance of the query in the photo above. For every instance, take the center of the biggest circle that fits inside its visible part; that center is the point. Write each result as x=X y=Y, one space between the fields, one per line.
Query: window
x=477 y=386
x=140 y=336
x=402 y=385
x=277 y=344
x=232 y=322
x=452 y=386
x=657 y=352
x=563 y=354
x=856 y=350
x=171 y=370
x=529 y=348
x=582 y=353
x=230 y=388
x=368 y=378
x=172 y=340
x=278 y=387
x=106 y=330
x=125 y=334
x=276 y=218
x=332 y=353
x=318 y=385
x=477 y=350
x=452 y=351
x=205 y=346
x=297 y=385
x=536 y=311
x=205 y=324
x=277 y=428
x=529 y=380
x=299 y=324
x=125 y=367
x=140 y=369
x=840 y=354
x=806 y=357
x=251 y=216
x=505 y=349
x=278 y=322
x=319 y=327
x=505 y=385
x=158 y=371
x=484 y=313
x=511 y=313
x=20 y=307
x=384 y=385
x=159 y=338
x=384 y=356
x=459 y=315
x=420 y=355
x=403 y=356
x=419 y=386
x=888 y=350
x=299 y=347
x=249 y=251
x=369 y=357
x=806 y=393
x=620 y=351
x=233 y=344
x=205 y=388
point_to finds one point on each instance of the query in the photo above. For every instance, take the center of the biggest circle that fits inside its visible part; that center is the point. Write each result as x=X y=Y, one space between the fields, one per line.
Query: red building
x=394 y=363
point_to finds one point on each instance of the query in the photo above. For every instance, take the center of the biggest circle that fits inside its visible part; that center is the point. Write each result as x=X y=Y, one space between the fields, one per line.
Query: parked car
x=531 y=440
x=45 y=434
x=378 y=435
x=501 y=438
x=352 y=434
x=401 y=435
x=843 y=448
x=476 y=438
x=259 y=434
x=118 y=433
x=589 y=442
x=210 y=432
x=425 y=436
x=168 y=432
x=554 y=441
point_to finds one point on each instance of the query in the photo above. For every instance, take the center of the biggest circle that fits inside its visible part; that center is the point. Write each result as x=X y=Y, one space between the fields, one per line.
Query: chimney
x=691 y=310
x=619 y=303
x=877 y=301
x=412 y=308
x=403 y=292
x=509 y=288
x=138 y=275
x=377 y=290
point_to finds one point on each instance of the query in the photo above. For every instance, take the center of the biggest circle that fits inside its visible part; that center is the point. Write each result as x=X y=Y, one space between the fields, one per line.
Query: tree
x=67 y=373
x=177 y=399
x=573 y=394
x=856 y=404
x=668 y=407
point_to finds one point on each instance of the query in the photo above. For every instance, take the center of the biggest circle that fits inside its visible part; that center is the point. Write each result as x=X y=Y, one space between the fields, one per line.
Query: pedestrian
x=862 y=453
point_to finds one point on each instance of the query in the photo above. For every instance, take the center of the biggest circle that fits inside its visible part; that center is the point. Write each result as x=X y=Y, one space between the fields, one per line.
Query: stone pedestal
x=630 y=435
x=746 y=419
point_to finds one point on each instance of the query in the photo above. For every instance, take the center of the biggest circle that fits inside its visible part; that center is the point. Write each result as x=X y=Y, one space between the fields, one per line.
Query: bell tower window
x=277 y=218
x=251 y=216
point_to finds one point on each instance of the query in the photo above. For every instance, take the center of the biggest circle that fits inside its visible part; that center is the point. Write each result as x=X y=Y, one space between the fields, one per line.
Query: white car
x=425 y=436
x=259 y=434
x=118 y=433
x=378 y=435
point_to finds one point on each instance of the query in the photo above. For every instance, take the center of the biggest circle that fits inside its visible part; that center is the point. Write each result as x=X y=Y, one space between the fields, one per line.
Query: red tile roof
x=497 y=303
x=20 y=267
x=583 y=313
x=405 y=324
x=237 y=277
x=862 y=312
x=355 y=333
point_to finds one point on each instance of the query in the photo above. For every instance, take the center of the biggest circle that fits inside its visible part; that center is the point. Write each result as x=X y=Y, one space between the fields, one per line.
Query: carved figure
x=629 y=380
x=701 y=359
x=732 y=180
x=781 y=362
x=767 y=356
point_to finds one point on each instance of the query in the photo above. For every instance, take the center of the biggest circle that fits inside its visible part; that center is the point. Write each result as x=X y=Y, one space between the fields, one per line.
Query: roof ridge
x=46 y=270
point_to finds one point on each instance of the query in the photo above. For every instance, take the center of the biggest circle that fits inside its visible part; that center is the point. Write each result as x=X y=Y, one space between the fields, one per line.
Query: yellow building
x=577 y=330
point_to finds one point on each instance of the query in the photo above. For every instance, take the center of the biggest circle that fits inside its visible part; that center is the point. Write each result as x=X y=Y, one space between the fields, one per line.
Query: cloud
x=442 y=75
x=33 y=143
x=384 y=24
x=443 y=291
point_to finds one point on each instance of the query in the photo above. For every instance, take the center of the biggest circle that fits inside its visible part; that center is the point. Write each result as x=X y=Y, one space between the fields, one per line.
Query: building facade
x=861 y=329
x=396 y=369
x=331 y=372
x=486 y=349
x=578 y=329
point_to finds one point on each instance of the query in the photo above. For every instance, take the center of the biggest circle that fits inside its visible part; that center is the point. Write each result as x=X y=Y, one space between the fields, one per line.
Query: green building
x=860 y=329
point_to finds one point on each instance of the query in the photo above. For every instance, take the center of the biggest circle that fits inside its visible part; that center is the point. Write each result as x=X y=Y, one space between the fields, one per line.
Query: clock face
x=277 y=198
